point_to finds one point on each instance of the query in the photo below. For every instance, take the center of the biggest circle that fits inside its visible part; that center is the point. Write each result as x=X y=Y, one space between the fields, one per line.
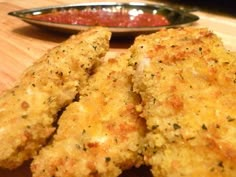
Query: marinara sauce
x=103 y=18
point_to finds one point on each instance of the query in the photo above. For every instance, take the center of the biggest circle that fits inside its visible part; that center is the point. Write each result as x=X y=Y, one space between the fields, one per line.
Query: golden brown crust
x=100 y=135
x=187 y=82
x=28 y=110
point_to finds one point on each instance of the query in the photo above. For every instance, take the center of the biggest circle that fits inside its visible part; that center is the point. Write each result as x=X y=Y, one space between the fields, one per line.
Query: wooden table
x=21 y=44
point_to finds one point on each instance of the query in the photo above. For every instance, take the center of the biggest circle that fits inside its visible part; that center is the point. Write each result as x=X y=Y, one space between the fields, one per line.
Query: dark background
x=224 y=7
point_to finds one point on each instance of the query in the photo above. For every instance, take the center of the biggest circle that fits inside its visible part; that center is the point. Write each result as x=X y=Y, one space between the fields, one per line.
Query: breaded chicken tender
x=187 y=81
x=99 y=135
x=28 y=110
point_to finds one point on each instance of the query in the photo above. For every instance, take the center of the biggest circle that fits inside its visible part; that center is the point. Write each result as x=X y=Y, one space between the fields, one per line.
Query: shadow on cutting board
x=37 y=33
x=123 y=42
x=24 y=171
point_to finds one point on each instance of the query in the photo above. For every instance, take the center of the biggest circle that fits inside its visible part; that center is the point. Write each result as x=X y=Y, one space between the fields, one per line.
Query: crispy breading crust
x=101 y=134
x=187 y=81
x=28 y=110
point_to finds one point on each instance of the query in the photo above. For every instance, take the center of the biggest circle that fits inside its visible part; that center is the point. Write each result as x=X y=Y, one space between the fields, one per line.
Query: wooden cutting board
x=21 y=44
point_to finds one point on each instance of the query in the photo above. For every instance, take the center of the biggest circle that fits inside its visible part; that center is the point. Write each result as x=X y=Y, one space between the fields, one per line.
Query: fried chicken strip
x=28 y=110
x=187 y=81
x=100 y=135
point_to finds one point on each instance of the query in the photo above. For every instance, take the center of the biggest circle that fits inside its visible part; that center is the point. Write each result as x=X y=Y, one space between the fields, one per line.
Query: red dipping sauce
x=103 y=18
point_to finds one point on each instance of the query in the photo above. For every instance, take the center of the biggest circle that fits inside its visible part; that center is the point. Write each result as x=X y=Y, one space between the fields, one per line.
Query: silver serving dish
x=176 y=17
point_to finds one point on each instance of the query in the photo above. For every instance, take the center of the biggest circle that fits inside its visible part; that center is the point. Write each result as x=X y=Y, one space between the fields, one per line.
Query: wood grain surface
x=21 y=44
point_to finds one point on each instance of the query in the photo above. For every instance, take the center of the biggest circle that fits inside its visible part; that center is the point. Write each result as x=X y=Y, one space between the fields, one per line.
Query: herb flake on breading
x=230 y=119
x=107 y=159
x=176 y=126
x=204 y=127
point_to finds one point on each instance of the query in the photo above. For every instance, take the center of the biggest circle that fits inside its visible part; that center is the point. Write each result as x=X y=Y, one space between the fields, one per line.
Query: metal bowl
x=176 y=17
